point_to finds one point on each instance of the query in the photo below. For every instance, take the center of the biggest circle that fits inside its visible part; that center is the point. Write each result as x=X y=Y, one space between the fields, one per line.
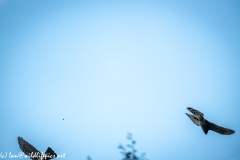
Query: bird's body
x=33 y=153
x=204 y=125
x=199 y=120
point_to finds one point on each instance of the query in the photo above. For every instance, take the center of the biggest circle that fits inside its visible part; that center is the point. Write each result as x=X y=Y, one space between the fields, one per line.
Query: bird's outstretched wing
x=28 y=149
x=195 y=112
x=220 y=129
x=194 y=119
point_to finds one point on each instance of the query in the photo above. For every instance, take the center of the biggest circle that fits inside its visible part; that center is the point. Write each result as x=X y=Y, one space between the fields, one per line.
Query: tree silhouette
x=130 y=153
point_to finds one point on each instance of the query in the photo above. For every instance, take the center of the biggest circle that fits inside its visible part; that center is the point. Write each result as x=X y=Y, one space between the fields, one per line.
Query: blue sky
x=113 y=67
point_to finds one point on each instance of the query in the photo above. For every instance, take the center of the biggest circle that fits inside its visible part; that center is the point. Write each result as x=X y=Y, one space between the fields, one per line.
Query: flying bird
x=198 y=119
x=33 y=153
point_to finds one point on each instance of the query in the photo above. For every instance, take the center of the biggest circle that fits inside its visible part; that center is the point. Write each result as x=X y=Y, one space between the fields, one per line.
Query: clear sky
x=113 y=67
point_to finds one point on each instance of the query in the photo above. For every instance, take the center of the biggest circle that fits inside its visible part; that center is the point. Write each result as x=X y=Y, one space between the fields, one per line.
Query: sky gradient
x=113 y=67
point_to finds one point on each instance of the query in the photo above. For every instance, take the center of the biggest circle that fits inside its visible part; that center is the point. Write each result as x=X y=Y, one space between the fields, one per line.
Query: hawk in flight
x=199 y=120
x=33 y=153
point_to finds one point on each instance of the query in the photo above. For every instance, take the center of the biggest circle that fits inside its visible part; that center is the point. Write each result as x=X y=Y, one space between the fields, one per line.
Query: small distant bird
x=33 y=153
x=199 y=120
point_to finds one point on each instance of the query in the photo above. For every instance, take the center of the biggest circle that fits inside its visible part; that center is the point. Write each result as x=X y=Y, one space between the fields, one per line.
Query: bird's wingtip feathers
x=19 y=139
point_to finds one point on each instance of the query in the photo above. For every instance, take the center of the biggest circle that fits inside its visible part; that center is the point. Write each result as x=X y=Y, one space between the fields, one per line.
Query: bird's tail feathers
x=50 y=153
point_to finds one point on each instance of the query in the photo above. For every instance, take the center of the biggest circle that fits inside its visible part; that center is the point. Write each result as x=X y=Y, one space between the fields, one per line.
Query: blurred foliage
x=129 y=152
